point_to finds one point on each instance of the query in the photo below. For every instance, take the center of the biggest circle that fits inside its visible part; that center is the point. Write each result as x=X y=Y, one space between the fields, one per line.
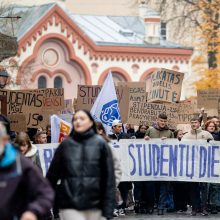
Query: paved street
x=167 y=217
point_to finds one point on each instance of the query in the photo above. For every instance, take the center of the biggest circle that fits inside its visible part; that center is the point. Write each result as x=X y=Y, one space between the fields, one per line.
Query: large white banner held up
x=157 y=160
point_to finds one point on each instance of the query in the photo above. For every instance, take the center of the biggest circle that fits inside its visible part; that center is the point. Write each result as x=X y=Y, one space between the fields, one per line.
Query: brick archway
x=146 y=73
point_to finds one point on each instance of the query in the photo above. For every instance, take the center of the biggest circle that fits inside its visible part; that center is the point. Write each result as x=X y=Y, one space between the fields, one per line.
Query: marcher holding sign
x=194 y=191
x=83 y=162
x=160 y=130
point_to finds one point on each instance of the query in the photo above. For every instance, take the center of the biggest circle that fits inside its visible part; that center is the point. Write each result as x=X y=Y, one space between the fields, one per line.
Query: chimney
x=142 y=8
x=152 y=25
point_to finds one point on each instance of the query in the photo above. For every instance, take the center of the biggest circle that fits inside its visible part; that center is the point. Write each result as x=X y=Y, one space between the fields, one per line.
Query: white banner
x=157 y=160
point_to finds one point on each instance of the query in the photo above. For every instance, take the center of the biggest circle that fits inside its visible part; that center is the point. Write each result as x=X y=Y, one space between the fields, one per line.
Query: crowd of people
x=171 y=196
x=83 y=180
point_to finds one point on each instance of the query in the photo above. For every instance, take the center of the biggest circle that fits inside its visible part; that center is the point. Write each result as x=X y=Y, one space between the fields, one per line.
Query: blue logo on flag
x=110 y=112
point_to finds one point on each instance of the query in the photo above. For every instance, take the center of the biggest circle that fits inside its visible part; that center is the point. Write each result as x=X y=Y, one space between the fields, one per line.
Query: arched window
x=42 y=82
x=58 y=82
x=148 y=82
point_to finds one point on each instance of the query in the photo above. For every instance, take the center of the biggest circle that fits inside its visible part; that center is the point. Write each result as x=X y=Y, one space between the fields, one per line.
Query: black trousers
x=145 y=192
x=194 y=195
x=180 y=196
x=124 y=188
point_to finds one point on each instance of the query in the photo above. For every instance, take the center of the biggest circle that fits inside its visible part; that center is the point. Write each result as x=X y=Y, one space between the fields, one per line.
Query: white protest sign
x=46 y=153
x=157 y=160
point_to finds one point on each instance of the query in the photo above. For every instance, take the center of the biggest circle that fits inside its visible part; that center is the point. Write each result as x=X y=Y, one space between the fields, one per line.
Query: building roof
x=29 y=17
x=117 y=30
x=102 y=30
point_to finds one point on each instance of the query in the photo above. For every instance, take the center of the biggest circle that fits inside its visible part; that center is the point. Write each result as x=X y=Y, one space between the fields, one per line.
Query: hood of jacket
x=32 y=151
x=9 y=156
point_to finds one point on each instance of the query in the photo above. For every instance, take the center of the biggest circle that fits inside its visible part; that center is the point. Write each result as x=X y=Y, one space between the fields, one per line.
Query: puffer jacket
x=156 y=132
x=22 y=187
x=198 y=134
x=84 y=164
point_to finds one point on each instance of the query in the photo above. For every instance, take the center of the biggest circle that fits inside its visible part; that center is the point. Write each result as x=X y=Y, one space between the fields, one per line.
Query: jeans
x=166 y=196
x=204 y=194
x=214 y=194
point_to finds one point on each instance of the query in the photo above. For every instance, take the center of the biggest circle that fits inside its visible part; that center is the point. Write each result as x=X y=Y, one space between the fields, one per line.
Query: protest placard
x=36 y=104
x=165 y=86
x=159 y=160
x=142 y=113
x=186 y=111
x=87 y=95
x=132 y=91
x=17 y=122
x=208 y=98
x=3 y=105
x=68 y=107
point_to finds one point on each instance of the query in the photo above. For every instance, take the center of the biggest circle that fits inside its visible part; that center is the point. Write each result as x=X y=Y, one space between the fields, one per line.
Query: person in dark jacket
x=117 y=131
x=83 y=163
x=212 y=128
x=214 y=188
x=140 y=133
x=48 y=130
x=143 y=196
x=24 y=193
x=180 y=188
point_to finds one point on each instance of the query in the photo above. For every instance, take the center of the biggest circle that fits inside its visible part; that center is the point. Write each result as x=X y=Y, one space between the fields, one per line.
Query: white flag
x=59 y=129
x=105 y=108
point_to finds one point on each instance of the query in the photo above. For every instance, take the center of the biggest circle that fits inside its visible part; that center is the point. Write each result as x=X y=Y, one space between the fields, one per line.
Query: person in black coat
x=214 y=188
x=24 y=193
x=140 y=133
x=117 y=131
x=143 y=196
x=180 y=196
x=84 y=165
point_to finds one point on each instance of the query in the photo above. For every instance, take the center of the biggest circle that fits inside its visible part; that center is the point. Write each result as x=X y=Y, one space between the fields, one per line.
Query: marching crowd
x=83 y=180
